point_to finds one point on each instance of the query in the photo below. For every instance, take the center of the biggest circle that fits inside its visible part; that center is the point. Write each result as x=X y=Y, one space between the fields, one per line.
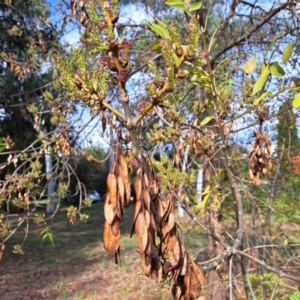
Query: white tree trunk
x=50 y=185
x=200 y=184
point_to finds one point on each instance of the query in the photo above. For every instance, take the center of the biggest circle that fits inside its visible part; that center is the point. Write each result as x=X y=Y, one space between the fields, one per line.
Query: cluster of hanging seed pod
x=200 y=144
x=186 y=275
x=154 y=216
x=117 y=197
x=259 y=157
x=163 y=254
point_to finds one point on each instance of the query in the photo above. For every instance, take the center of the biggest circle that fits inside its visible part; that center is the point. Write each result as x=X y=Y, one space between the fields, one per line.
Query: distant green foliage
x=295 y=296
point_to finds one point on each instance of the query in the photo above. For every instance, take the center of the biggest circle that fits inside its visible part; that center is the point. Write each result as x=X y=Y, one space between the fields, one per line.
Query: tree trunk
x=50 y=185
x=217 y=290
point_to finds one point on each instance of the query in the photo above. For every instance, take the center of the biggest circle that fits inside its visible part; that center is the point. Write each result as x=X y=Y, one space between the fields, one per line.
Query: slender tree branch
x=263 y=264
x=248 y=34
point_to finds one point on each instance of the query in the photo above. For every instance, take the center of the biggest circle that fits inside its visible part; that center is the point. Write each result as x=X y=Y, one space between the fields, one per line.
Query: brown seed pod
x=112 y=189
x=146 y=181
x=177 y=289
x=157 y=275
x=251 y=174
x=121 y=191
x=147 y=219
x=153 y=184
x=115 y=226
x=173 y=248
x=146 y=263
x=146 y=198
x=152 y=222
x=184 y=263
x=109 y=213
x=198 y=272
x=123 y=172
x=171 y=221
x=186 y=286
x=141 y=232
x=137 y=211
x=138 y=189
x=160 y=211
x=195 y=286
x=111 y=242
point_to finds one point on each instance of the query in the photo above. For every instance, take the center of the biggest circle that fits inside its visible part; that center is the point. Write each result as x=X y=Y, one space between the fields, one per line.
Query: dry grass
x=77 y=267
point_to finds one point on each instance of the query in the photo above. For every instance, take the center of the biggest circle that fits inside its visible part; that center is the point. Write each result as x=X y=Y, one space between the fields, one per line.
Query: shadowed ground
x=77 y=266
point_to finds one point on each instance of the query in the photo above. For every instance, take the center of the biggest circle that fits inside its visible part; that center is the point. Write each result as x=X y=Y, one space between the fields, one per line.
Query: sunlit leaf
x=264 y=95
x=287 y=52
x=263 y=67
x=260 y=82
x=160 y=30
x=296 y=101
x=160 y=22
x=195 y=6
x=178 y=4
x=250 y=65
x=156 y=47
x=276 y=70
x=206 y=120
x=206 y=191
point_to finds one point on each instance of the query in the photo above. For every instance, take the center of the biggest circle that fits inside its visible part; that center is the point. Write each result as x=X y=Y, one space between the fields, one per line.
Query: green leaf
x=44 y=231
x=206 y=191
x=195 y=6
x=250 y=65
x=203 y=203
x=160 y=30
x=276 y=70
x=273 y=41
x=160 y=22
x=51 y=238
x=206 y=120
x=179 y=5
x=44 y=236
x=296 y=101
x=260 y=82
x=263 y=67
x=287 y=52
x=264 y=95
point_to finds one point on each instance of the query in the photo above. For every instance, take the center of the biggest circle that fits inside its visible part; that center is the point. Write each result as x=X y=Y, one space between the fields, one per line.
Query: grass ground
x=77 y=267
